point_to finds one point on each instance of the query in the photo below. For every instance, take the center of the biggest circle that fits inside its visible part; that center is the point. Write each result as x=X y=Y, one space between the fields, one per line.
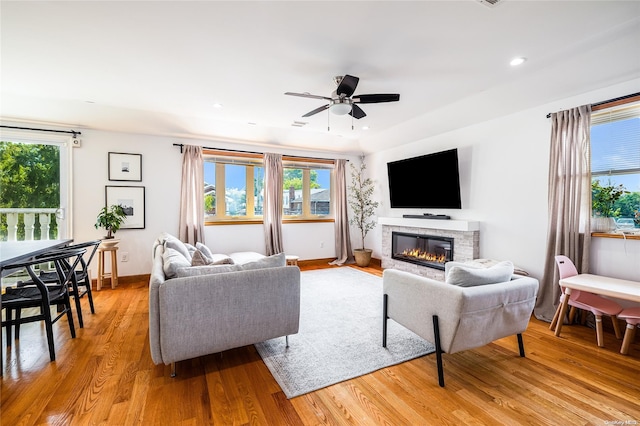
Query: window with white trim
x=34 y=186
x=615 y=160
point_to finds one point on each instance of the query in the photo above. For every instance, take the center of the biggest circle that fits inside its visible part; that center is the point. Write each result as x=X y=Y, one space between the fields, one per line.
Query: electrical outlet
x=124 y=256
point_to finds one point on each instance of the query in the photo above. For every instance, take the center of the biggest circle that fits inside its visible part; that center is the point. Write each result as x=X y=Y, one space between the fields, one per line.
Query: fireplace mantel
x=446 y=225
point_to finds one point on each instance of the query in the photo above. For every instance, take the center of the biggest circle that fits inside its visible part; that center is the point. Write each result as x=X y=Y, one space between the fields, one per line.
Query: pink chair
x=598 y=305
x=632 y=315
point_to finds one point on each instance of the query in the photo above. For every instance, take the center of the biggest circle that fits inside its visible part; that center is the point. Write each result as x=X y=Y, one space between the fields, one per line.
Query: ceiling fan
x=342 y=100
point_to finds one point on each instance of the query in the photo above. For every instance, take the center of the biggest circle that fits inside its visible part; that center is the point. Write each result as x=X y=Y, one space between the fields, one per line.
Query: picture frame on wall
x=125 y=167
x=131 y=198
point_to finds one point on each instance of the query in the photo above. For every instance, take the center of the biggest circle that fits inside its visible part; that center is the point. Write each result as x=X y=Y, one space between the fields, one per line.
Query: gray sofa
x=200 y=310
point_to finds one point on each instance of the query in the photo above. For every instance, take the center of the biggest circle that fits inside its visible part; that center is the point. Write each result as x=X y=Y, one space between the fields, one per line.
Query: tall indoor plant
x=363 y=208
x=603 y=199
x=110 y=218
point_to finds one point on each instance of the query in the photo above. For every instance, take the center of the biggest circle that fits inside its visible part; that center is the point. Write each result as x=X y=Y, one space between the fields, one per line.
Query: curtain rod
x=621 y=98
x=71 y=132
x=252 y=152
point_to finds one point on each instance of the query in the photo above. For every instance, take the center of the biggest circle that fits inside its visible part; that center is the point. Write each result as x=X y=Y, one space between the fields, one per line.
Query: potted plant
x=602 y=205
x=110 y=218
x=363 y=208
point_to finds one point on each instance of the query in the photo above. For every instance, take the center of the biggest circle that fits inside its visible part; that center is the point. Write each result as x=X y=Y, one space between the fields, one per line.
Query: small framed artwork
x=125 y=167
x=131 y=198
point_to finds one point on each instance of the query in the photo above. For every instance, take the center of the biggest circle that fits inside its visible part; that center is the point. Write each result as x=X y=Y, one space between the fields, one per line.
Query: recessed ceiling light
x=365 y=127
x=517 y=61
x=251 y=123
x=216 y=105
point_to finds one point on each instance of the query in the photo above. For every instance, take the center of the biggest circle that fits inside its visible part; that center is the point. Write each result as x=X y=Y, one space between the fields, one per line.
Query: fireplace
x=426 y=250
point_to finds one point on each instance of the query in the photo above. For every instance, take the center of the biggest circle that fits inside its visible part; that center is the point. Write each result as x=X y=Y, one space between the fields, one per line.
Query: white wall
x=161 y=171
x=306 y=240
x=503 y=172
x=161 y=166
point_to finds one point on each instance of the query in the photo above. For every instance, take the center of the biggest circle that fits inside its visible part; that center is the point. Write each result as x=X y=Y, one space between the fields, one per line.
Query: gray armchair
x=454 y=317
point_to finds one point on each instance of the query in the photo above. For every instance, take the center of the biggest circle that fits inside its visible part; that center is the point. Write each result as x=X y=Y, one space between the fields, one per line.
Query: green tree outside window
x=29 y=178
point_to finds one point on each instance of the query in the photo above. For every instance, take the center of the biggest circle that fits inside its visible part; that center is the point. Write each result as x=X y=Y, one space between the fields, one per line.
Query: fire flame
x=423 y=255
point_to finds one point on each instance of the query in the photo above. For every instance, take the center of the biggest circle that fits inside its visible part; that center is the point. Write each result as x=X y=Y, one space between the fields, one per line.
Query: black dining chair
x=81 y=282
x=42 y=296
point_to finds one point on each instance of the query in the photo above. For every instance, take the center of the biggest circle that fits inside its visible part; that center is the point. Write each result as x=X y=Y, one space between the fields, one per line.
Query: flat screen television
x=429 y=181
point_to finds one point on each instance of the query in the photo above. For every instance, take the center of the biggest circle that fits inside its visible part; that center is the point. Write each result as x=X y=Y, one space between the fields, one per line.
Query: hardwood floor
x=106 y=376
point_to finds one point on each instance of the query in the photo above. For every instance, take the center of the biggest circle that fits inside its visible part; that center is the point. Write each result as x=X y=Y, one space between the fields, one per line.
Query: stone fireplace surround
x=465 y=234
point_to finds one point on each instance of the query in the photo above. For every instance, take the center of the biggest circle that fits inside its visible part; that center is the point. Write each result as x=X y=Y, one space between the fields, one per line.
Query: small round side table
x=108 y=246
x=292 y=260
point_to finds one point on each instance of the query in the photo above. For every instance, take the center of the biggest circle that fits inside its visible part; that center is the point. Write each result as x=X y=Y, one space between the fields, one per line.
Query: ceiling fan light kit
x=341 y=107
x=343 y=102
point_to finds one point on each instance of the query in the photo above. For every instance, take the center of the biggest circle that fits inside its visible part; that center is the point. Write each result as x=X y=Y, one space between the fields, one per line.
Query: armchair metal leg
x=385 y=300
x=436 y=333
x=173 y=369
x=520 y=344
x=286 y=341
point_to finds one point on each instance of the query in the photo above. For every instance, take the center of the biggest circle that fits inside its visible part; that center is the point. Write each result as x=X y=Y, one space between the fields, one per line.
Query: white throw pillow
x=469 y=277
x=242 y=257
x=221 y=259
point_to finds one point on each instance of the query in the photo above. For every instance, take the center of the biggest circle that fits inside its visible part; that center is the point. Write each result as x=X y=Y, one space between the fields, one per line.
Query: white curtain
x=191 y=227
x=344 y=253
x=273 y=201
x=569 y=229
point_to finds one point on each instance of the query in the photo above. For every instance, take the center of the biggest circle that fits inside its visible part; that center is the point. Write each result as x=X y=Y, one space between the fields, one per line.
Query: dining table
x=15 y=251
x=597 y=284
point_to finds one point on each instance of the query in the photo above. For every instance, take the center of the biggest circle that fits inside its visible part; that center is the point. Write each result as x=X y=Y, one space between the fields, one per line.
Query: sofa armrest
x=468 y=316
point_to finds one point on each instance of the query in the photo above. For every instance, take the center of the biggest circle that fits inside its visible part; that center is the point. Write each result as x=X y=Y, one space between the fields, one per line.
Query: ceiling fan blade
x=374 y=99
x=347 y=85
x=317 y=110
x=307 y=95
x=357 y=112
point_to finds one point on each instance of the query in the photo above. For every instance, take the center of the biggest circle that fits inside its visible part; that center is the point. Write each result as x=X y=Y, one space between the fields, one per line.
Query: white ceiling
x=159 y=67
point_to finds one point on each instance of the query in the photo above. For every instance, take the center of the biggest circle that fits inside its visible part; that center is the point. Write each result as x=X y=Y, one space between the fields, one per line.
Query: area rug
x=340 y=333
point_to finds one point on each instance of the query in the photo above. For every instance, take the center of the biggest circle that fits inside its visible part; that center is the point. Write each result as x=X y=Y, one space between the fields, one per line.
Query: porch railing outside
x=44 y=217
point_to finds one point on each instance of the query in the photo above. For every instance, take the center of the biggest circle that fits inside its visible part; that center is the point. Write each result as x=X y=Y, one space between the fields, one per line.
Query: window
x=33 y=186
x=233 y=188
x=306 y=192
x=615 y=160
x=234 y=184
